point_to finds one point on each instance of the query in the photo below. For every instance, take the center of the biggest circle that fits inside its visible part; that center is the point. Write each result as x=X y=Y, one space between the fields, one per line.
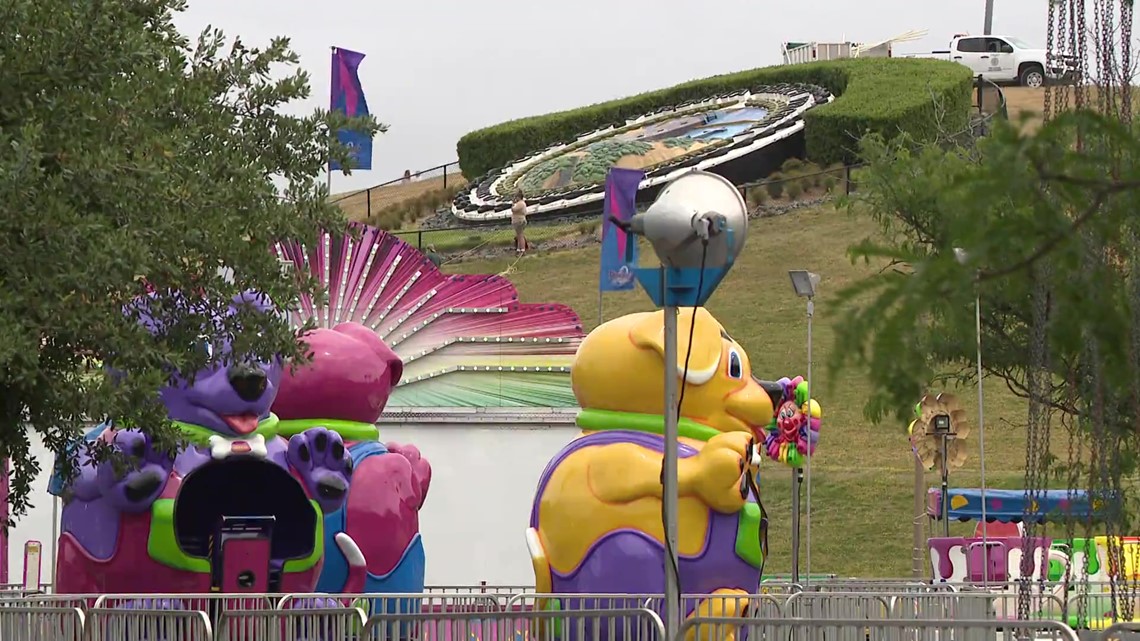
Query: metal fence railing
x=452 y=242
x=828 y=610
x=371 y=201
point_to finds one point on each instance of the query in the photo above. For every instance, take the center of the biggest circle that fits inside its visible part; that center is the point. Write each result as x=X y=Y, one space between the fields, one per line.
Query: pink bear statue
x=344 y=388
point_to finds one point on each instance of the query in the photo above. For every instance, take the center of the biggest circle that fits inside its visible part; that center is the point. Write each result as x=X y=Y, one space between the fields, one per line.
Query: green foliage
x=881 y=95
x=682 y=142
x=1022 y=207
x=600 y=156
x=533 y=181
x=132 y=156
x=794 y=188
x=756 y=197
x=775 y=185
x=791 y=165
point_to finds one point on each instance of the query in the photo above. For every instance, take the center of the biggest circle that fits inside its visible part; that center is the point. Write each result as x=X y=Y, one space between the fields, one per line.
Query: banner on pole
x=620 y=202
x=347 y=97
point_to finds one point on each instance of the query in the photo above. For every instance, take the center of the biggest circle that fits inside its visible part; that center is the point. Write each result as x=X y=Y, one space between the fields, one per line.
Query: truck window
x=972 y=45
x=997 y=45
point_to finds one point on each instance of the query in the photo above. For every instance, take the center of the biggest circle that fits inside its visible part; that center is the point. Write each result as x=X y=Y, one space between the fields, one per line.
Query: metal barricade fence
x=625 y=624
x=114 y=624
x=41 y=624
x=757 y=604
x=40 y=600
x=838 y=605
x=309 y=624
x=482 y=588
x=211 y=604
x=973 y=605
x=780 y=587
x=398 y=603
x=730 y=629
x=1117 y=631
x=860 y=585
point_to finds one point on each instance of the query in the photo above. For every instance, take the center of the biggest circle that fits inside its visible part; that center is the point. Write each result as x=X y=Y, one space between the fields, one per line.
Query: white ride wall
x=478 y=508
x=36 y=523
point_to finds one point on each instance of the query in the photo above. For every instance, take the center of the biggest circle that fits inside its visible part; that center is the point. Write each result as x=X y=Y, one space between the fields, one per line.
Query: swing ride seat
x=987 y=561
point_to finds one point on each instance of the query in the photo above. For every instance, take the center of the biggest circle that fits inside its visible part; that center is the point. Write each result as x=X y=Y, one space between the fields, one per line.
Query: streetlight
x=962 y=256
x=804 y=284
x=697 y=227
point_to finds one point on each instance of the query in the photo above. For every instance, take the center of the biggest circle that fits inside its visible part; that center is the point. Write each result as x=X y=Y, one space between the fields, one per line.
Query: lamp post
x=804 y=284
x=963 y=257
x=988 y=24
x=697 y=226
x=941 y=425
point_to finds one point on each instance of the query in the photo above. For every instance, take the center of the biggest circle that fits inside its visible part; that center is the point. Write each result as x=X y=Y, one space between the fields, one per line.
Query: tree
x=1026 y=208
x=134 y=160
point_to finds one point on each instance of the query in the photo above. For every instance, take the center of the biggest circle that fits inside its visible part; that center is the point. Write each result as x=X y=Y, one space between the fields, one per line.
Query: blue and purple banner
x=621 y=197
x=347 y=97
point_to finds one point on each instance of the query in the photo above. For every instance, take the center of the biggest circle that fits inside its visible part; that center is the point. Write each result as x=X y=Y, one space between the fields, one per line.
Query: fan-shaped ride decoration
x=465 y=340
x=733 y=134
x=939 y=418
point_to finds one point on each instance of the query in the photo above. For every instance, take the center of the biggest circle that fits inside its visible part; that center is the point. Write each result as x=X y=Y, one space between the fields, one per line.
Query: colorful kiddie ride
x=993 y=558
x=240 y=509
x=596 y=524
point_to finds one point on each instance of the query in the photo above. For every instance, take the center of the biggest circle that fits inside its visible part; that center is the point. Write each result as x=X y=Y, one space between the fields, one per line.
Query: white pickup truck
x=1003 y=59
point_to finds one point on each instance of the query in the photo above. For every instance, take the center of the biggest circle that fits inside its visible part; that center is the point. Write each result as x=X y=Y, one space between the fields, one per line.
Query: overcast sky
x=436 y=69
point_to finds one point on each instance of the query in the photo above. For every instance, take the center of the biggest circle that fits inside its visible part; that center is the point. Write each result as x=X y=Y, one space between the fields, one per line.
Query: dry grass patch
x=356 y=204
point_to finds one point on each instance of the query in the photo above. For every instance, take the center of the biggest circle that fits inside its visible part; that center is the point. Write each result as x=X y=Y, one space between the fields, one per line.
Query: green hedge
x=884 y=95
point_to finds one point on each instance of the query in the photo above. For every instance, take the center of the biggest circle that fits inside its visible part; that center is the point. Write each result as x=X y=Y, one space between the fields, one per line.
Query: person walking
x=518 y=222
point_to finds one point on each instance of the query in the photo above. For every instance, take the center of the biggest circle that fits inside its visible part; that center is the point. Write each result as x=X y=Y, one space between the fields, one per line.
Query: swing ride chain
x=1037 y=443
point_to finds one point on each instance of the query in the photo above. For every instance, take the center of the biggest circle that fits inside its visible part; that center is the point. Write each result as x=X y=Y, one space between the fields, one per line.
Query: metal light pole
x=804 y=283
x=988 y=26
x=669 y=484
x=697 y=227
x=962 y=257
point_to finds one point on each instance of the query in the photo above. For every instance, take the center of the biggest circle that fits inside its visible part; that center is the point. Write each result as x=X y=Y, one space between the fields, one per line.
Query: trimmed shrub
x=775 y=185
x=756 y=197
x=791 y=165
x=794 y=189
x=882 y=95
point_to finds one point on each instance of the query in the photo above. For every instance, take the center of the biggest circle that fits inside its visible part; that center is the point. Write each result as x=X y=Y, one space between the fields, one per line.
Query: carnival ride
x=743 y=136
x=597 y=525
x=1075 y=577
x=306 y=498
x=239 y=508
x=616 y=545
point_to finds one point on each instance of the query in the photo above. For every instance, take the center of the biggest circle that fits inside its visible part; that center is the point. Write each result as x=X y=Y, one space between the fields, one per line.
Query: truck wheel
x=1032 y=76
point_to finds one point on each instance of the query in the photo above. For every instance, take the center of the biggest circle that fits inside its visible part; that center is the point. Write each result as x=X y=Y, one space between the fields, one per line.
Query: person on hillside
x=518 y=222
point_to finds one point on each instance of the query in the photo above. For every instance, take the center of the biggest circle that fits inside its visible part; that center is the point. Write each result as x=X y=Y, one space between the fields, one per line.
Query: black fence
x=795 y=186
x=368 y=201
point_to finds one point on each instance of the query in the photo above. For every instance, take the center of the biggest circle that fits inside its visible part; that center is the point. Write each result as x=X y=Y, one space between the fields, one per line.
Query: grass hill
x=862 y=476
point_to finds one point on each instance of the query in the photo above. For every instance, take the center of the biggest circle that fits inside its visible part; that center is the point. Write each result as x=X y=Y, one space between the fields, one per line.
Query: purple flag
x=621 y=197
x=347 y=97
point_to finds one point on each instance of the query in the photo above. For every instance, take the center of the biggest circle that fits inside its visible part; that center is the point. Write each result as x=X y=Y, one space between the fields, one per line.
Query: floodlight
x=804 y=282
x=941 y=424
